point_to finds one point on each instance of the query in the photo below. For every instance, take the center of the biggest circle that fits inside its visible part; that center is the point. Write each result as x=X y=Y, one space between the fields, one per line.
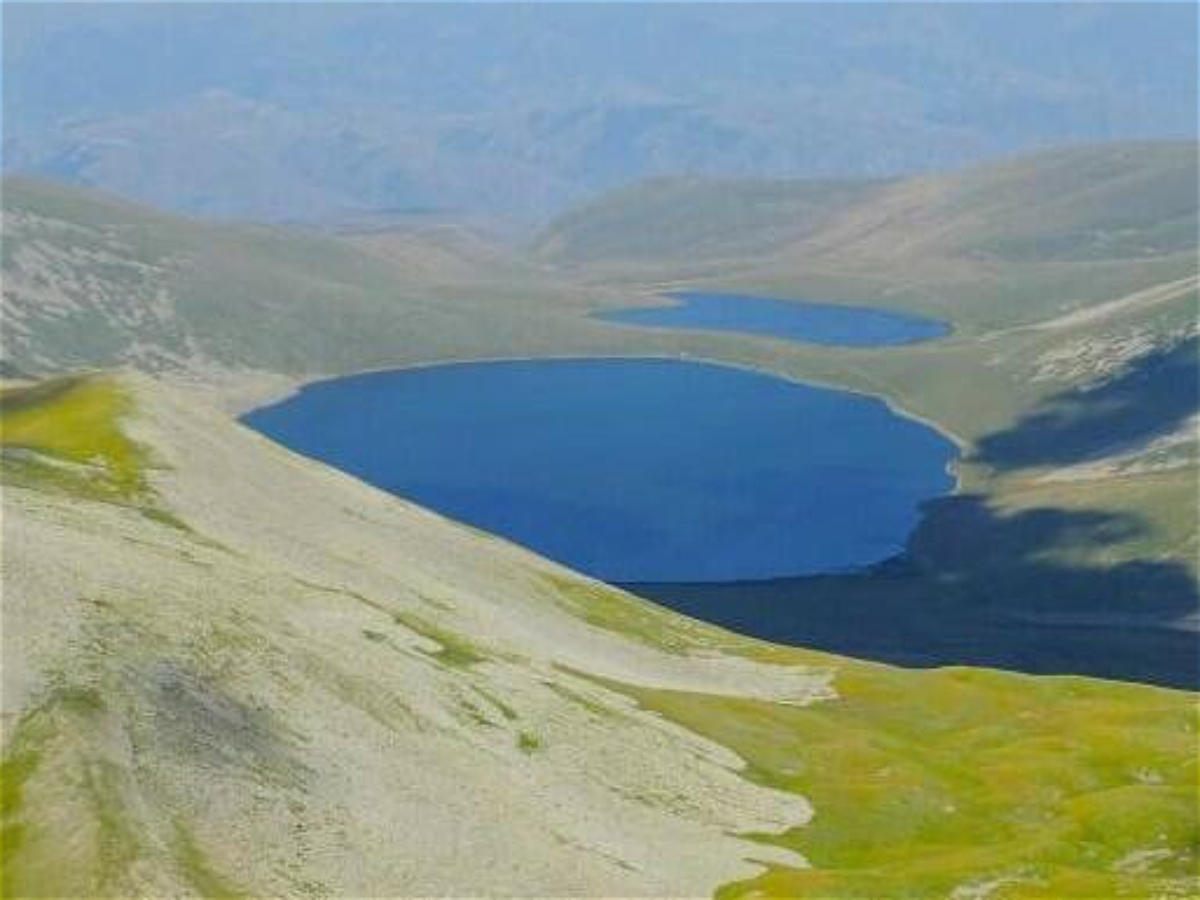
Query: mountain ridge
x=523 y=112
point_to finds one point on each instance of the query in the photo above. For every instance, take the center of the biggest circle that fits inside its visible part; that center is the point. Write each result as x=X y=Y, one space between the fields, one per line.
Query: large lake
x=633 y=470
x=795 y=320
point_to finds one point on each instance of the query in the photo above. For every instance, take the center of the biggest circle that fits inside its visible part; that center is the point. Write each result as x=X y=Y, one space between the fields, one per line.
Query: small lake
x=633 y=470
x=794 y=320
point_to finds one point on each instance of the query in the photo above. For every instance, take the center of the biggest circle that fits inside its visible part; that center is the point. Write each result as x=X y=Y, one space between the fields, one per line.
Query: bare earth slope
x=292 y=683
x=259 y=676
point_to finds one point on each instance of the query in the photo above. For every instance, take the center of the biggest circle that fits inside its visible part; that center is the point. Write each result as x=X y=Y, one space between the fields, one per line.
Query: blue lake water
x=633 y=470
x=795 y=320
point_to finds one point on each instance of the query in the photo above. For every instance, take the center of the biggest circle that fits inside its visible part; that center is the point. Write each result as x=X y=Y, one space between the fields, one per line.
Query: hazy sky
x=287 y=110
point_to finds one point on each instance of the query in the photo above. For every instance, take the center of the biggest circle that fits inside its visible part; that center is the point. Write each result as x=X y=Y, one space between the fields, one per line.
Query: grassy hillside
x=90 y=280
x=1059 y=271
x=994 y=246
x=709 y=219
x=63 y=434
x=264 y=689
x=1069 y=380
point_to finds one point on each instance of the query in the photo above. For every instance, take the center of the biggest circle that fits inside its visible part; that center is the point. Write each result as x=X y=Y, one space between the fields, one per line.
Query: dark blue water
x=795 y=320
x=633 y=470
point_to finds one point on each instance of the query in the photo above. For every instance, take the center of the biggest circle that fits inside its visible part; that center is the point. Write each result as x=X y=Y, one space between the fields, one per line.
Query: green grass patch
x=33 y=803
x=528 y=742
x=475 y=714
x=924 y=782
x=15 y=772
x=454 y=650
x=613 y=610
x=65 y=433
x=503 y=708
x=163 y=517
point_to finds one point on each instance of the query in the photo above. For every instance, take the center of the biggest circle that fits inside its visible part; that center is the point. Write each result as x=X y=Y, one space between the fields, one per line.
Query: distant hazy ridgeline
x=314 y=113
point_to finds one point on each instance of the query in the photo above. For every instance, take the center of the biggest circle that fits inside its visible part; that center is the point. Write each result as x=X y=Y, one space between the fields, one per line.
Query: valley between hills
x=376 y=695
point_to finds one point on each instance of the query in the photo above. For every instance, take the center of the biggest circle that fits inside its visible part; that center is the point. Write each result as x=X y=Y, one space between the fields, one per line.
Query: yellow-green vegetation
x=26 y=833
x=600 y=605
x=64 y=433
x=528 y=742
x=924 y=783
x=503 y=708
x=15 y=771
x=97 y=818
x=453 y=649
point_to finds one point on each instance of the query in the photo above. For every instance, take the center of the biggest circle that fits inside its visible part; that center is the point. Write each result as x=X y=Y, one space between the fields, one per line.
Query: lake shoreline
x=807 y=322
x=824 y=479
x=271 y=394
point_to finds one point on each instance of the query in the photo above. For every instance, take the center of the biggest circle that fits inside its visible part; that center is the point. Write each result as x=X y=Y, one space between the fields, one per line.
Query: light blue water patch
x=793 y=320
x=633 y=470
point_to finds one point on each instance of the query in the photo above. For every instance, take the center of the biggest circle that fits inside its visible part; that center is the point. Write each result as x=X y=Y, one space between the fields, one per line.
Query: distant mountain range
x=323 y=112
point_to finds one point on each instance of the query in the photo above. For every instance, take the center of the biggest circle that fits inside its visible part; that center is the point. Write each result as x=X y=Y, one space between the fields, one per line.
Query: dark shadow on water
x=979 y=587
x=976 y=589
x=1154 y=395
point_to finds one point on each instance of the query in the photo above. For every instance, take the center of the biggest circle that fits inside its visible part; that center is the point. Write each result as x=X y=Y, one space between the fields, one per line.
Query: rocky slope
x=93 y=280
x=303 y=686
x=229 y=670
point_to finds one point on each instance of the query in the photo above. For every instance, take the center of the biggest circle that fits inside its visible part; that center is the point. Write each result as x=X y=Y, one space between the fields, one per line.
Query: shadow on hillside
x=1012 y=565
x=977 y=588
x=1154 y=395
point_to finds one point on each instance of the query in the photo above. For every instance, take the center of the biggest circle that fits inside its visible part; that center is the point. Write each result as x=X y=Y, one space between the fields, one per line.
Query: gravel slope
x=291 y=684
